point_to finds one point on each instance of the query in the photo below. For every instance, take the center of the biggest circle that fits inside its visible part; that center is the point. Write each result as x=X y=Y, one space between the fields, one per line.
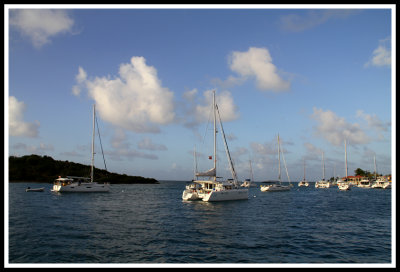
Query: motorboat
x=381 y=183
x=364 y=183
x=343 y=185
x=29 y=189
x=322 y=184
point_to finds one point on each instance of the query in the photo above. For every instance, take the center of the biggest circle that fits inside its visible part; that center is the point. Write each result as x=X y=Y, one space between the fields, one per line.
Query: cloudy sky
x=316 y=76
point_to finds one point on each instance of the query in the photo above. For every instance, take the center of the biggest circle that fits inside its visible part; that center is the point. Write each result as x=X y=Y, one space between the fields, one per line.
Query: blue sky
x=315 y=76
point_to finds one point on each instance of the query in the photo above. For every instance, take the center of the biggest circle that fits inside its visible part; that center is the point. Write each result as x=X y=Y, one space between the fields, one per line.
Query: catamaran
x=210 y=189
x=81 y=184
x=276 y=187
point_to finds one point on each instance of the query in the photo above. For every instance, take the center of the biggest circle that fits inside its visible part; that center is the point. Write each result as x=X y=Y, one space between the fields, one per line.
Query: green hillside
x=34 y=168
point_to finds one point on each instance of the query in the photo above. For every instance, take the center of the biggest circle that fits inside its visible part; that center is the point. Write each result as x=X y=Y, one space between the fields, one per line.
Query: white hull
x=322 y=184
x=189 y=195
x=303 y=183
x=224 y=195
x=84 y=187
x=274 y=188
x=344 y=187
x=381 y=185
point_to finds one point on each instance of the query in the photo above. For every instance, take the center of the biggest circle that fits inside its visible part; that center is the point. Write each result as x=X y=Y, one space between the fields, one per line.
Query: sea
x=149 y=224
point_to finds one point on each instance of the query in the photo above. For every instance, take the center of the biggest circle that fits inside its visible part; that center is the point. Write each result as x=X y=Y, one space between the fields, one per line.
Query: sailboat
x=344 y=185
x=275 y=187
x=82 y=184
x=322 y=183
x=210 y=189
x=247 y=182
x=304 y=182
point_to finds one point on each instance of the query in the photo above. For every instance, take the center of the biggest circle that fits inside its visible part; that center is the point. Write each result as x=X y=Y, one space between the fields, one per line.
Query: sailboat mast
x=323 y=166
x=375 y=165
x=215 y=137
x=92 y=165
x=279 y=160
x=345 y=156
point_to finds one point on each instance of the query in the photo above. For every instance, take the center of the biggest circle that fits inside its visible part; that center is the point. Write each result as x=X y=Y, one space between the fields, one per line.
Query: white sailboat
x=276 y=187
x=344 y=185
x=304 y=182
x=82 y=184
x=322 y=183
x=211 y=189
x=247 y=182
x=380 y=182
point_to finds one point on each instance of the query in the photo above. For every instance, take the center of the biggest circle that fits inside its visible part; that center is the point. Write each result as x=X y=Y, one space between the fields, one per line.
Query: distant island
x=35 y=168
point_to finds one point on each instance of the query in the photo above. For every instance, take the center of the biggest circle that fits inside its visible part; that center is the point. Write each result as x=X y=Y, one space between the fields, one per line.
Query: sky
x=316 y=75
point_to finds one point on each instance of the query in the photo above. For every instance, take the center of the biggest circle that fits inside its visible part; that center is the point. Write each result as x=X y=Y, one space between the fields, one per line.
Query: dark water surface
x=147 y=224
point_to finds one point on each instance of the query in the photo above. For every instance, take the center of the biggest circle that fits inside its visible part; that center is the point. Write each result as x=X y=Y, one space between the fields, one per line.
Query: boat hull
x=225 y=195
x=274 y=188
x=85 y=187
x=34 y=189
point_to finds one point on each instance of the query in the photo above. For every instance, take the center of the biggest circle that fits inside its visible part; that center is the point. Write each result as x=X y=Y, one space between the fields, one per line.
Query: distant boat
x=276 y=187
x=247 y=182
x=381 y=183
x=304 y=182
x=211 y=189
x=322 y=183
x=29 y=189
x=365 y=183
x=344 y=185
x=82 y=184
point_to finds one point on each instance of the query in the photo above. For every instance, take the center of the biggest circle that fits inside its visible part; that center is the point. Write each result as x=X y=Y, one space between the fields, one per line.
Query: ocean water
x=150 y=224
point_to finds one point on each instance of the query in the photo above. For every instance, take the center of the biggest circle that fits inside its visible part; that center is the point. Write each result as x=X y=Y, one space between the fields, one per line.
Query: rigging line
x=227 y=149
x=102 y=152
x=284 y=161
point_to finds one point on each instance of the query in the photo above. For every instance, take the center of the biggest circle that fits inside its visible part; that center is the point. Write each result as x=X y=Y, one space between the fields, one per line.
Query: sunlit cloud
x=135 y=100
x=40 y=25
x=256 y=63
x=382 y=55
x=336 y=129
x=17 y=125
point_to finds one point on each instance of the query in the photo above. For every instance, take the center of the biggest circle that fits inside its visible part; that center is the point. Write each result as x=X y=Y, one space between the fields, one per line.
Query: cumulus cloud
x=135 y=100
x=199 y=110
x=39 y=25
x=373 y=121
x=257 y=63
x=336 y=129
x=382 y=55
x=17 y=126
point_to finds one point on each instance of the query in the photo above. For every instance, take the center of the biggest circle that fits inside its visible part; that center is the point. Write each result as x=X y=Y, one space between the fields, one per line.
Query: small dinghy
x=29 y=189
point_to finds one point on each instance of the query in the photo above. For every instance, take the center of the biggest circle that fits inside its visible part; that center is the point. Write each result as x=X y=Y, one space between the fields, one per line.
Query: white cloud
x=40 y=24
x=381 y=56
x=313 y=18
x=200 y=110
x=135 y=100
x=17 y=126
x=373 y=121
x=336 y=129
x=257 y=63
